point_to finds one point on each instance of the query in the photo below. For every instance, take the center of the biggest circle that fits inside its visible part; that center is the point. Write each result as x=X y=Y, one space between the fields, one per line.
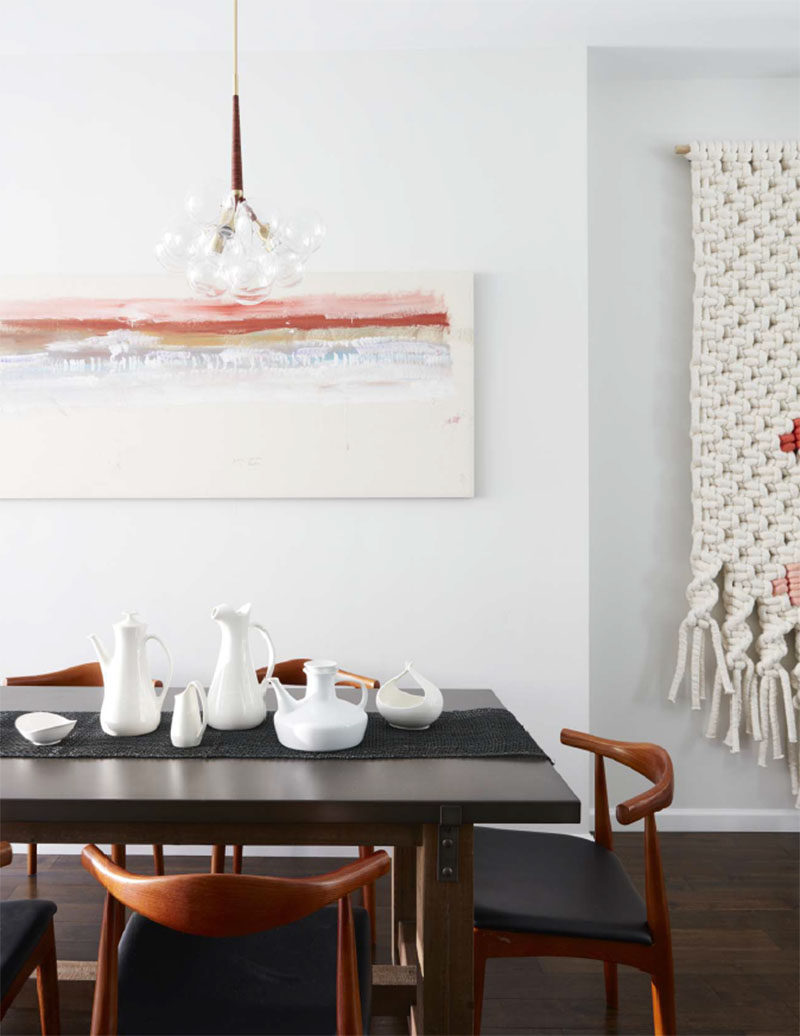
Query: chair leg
x=32 y=859
x=612 y=987
x=47 y=985
x=368 y=895
x=479 y=959
x=238 y=853
x=218 y=859
x=158 y=859
x=662 y=984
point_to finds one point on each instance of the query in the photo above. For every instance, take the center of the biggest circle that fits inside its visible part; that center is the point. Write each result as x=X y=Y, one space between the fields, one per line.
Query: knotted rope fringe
x=745 y=412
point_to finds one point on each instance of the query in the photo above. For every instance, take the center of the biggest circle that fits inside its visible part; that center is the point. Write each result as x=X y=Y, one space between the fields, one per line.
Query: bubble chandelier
x=223 y=247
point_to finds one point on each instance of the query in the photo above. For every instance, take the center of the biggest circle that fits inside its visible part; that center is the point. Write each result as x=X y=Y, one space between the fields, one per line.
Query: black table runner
x=471 y=733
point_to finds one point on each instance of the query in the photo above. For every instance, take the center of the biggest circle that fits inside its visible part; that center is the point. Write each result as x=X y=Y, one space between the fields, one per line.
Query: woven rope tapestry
x=745 y=429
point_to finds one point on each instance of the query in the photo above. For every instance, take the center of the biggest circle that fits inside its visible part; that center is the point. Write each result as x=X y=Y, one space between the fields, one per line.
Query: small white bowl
x=409 y=711
x=44 y=728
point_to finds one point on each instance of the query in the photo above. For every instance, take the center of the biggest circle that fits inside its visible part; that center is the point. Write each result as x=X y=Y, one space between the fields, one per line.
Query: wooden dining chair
x=28 y=944
x=212 y=953
x=549 y=895
x=291 y=672
x=87 y=675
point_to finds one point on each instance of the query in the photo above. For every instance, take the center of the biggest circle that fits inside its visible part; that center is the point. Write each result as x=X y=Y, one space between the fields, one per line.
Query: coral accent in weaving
x=745 y=395
x=790 y=442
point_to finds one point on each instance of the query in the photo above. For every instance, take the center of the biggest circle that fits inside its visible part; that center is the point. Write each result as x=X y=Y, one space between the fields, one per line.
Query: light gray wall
x=418 y=161
x=641 y=281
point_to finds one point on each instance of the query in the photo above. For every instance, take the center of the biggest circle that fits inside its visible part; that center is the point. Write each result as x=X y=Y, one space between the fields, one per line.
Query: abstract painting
x=356 y=385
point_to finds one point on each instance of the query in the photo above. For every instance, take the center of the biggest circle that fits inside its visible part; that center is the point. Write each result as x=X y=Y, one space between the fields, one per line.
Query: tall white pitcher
x=130 y=703
x=236 y=699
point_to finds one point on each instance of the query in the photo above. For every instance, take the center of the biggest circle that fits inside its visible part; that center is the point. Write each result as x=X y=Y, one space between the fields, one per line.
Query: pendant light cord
x=236 y=144
x=236 y=46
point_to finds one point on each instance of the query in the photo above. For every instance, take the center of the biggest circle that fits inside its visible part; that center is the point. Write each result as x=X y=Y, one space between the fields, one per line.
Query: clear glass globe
x=290 y=271
x=174 y=248
x=235 y=247
x=303 y=233
x=205 y=275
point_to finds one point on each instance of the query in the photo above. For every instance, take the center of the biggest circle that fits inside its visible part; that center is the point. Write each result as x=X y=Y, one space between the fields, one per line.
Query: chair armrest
x=649 y=760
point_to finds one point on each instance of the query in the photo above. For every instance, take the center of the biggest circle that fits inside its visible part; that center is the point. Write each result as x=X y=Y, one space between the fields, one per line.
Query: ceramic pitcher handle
x=168 y=681
x=202 y=700
x=271 y=662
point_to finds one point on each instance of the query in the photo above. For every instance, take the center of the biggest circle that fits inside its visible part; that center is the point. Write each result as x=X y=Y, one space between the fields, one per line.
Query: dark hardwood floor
x=734 y=907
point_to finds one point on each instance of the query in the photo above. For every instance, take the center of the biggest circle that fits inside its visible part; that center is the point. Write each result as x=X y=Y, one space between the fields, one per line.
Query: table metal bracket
x=447 y=855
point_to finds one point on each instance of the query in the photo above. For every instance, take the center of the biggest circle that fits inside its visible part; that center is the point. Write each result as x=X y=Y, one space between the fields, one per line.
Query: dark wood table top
x=392 y=791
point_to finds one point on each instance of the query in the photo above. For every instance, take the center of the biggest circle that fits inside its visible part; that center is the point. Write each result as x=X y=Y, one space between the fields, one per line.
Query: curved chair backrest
x=228 y=905
x=654 y=763
x=6 y=854
x=291 y=672
x=650 y=760
x=87 y=675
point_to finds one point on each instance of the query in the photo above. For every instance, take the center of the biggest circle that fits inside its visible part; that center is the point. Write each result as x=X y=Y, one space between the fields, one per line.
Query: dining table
x=424 y=808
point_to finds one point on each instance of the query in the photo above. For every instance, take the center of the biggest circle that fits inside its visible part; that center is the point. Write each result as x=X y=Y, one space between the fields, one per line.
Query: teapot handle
x=271 y=662
x=168 y=681
x=362 y=703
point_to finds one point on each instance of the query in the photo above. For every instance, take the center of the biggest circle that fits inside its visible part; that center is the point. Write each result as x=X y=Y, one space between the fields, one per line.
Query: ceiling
x=147 y=26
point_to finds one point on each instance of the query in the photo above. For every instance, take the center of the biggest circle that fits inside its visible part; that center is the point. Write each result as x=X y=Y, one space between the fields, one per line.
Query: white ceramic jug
x=319 y=722
x=236 y=700
x=189 y=716
x=130 y=703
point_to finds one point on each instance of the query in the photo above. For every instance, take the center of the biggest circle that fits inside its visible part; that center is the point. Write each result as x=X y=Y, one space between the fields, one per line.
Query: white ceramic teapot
x=236 y=700
x=189 y=716
x=131 y=704
x=320 y=721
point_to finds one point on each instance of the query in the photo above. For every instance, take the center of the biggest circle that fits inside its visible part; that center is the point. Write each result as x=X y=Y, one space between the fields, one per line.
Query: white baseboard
x=724 y=820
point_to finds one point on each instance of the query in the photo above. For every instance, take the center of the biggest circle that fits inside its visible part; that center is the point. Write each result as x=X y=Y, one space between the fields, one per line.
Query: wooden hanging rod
x=682 y=149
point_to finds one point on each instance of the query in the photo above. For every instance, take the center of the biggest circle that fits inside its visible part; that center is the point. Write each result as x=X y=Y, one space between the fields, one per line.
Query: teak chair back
x=654 y=763
x=42 y=960
x=87 y=675
x=291 y=672
x=227 y=905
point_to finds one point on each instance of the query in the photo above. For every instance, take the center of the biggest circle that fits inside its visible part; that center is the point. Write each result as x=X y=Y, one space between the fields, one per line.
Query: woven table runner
x=473 y=733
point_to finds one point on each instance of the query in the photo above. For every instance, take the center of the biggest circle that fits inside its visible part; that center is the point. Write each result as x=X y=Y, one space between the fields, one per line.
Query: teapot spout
x=103 y=656
x=286 y=703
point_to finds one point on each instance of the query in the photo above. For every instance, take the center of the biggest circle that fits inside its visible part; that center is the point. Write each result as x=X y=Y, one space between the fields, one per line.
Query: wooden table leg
x=444 y=936
x=404 y=895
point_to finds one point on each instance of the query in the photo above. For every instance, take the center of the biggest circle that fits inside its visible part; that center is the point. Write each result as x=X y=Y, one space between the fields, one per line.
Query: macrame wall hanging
x=745 y=414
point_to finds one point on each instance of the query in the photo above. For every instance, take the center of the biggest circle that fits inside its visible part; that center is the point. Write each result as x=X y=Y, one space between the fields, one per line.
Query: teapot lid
x=130 y=620
x=323 y=665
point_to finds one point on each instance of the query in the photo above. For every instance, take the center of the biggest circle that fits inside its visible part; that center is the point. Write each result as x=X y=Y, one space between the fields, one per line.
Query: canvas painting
x=354 y=385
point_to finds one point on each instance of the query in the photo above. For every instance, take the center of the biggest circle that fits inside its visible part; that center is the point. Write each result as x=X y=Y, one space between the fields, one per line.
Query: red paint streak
x=221 y=327
x=309 y=312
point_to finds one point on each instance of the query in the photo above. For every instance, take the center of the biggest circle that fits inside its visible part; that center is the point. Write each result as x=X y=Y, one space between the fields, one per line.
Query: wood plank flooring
x=734 y=907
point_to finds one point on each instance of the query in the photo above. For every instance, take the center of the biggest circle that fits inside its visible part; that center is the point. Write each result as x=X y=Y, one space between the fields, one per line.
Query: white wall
x=641 y=282
x=419 y=161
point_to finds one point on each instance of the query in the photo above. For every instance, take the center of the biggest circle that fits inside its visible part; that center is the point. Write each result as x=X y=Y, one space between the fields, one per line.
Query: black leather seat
x=279 y=981
x=22 y=924
x=554 y=885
